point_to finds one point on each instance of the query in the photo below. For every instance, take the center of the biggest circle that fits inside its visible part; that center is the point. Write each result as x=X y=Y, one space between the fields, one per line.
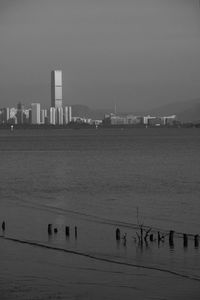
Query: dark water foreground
x=47 y=274
x=98 y=181
x=93 y=266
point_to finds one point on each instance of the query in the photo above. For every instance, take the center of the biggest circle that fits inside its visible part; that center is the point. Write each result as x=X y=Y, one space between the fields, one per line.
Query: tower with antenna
x=115 y=109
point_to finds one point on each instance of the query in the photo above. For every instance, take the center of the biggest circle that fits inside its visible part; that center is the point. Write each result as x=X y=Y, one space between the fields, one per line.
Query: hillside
x=86 y=112
x=187 y=111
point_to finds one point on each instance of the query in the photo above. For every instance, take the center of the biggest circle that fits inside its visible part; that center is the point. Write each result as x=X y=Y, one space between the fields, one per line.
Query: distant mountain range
x=86 y=112
x=187 y=111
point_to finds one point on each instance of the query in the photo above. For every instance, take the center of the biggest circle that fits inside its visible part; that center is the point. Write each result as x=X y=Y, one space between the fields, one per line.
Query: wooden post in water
x=185 y=240
x=117 y=234
x=3 y=226
x=171 y=238
x=75 y=231
x=55 y=230
x=67 y=231
x=141 y=234
x=196 y=241
x=49 y=228
x=159 y=237
x=151 y=237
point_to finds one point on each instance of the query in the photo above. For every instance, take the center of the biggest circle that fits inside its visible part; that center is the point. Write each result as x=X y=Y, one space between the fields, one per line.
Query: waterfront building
x=1 y=116
x=66 y=117
x=46 y=118
x=113 y=119
x=69 y=114
x=145 y=120
x=159 y=121
x=43 y=116
x=13 y=112
x=5 y=115
x=59 y=115
x=27 y=116
x=52 y=116
x=80 y=120
x=35 y=113
x=169 y=120
x=97 y=122
x=134 y=120
x=19 y=114
x=56 y=88
x=155 y=121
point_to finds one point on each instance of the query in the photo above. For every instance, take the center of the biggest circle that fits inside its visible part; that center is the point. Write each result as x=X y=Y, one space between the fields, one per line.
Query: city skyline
x=136 y=54
x=56 y=114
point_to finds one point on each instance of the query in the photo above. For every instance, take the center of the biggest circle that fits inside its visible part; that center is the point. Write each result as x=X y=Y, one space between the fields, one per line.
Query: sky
x=137 y=54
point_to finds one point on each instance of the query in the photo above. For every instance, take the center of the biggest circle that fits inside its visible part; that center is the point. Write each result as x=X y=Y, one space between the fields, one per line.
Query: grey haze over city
x=137 y=54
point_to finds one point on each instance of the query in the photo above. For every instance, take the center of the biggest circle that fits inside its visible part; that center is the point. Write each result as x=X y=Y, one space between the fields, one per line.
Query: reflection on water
x=96 y=182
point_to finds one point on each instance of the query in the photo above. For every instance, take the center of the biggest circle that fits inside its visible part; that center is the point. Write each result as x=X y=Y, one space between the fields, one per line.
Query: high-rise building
x=56 y=88
x=66 y=117
x=20 y=109
x=52 y=116
x=59 y=116
x=13 y=112
x=26 y=116
x=35 y=113
x=6 y=115
x=42 y=117
x=69 y=114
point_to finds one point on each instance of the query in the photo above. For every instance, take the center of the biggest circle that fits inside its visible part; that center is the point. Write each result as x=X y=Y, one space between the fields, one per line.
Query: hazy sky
x=136 y=53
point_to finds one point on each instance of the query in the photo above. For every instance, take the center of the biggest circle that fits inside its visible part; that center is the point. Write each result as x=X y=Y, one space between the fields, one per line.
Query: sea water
x=99 y=180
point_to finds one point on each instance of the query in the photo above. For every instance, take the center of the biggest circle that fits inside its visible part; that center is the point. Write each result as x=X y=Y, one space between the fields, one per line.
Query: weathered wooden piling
x=49 y=228
x=141 y=233
x=75 y=232
x=196 y=241
x=124 y=239
x=185 y=240
x=3 y=226
x=171 y=238
x=151 y=237
x=55 y=230
x=117 y=234
x=159 y=237
x=67 y=230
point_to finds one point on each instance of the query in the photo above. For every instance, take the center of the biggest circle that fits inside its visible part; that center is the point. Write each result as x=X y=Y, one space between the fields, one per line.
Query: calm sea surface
x=98 y=180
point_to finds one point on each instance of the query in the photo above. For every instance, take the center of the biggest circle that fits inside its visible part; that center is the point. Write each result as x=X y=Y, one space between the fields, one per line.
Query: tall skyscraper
x=35 y=113
x=56 y=88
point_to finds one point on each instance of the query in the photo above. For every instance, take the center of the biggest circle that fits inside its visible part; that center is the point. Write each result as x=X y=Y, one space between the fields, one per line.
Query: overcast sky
x=135 y=53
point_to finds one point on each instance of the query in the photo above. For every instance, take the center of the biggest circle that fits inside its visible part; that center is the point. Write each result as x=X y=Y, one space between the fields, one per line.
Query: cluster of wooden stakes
x=146 y=235
x=67 y=230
